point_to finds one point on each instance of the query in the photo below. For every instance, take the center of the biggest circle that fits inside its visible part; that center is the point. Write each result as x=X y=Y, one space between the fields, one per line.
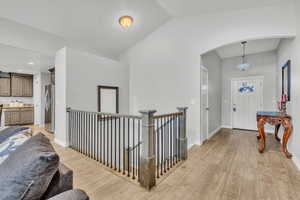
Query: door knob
x=234 y=107
x=207 y=109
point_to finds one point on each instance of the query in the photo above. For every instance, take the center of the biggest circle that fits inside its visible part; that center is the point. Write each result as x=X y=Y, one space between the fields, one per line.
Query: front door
x=247 y=99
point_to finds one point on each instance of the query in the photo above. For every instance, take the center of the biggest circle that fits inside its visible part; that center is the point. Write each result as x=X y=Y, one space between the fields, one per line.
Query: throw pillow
x=11 y=144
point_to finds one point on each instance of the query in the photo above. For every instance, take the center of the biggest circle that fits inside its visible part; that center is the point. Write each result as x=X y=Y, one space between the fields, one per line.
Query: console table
x=277 y=119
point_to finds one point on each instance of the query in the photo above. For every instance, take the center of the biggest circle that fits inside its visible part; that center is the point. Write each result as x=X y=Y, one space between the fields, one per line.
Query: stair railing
x=140 y=147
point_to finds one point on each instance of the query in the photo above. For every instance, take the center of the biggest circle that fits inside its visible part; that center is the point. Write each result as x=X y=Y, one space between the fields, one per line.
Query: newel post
x=147 y=159
x=182 y=138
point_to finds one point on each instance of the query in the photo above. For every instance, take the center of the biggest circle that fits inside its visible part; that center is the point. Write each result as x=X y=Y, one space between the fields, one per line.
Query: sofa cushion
x=62 y=181
x=11 y=144
x=71 y=195
x=27 y=172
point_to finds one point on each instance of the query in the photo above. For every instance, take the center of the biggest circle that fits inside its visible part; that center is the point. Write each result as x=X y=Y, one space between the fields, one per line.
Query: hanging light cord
x=244 y=51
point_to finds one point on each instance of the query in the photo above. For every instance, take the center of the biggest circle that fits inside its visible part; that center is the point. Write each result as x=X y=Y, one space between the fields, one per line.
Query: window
x=246 y=88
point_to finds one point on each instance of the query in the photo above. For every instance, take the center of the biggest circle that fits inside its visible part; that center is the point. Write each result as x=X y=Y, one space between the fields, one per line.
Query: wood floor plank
x=227 y=167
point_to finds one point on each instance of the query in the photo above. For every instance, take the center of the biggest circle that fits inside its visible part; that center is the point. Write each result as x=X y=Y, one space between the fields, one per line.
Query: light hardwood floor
x=226 y=167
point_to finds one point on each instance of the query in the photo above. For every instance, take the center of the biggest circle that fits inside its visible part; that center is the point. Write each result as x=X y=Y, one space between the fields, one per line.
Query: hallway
x=227 y=167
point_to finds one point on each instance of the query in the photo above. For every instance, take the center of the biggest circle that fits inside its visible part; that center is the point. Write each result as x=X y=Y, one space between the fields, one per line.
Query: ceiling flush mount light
x=244 y=66
x=126 y=21
x=31 y=63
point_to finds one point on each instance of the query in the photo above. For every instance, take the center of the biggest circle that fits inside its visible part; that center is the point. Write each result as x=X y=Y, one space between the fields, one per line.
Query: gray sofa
x=33 y=172
x=62 y=181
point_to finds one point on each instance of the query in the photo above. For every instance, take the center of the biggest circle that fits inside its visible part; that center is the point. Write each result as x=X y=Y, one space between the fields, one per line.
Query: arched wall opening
x=239 y=40
x=221 y=64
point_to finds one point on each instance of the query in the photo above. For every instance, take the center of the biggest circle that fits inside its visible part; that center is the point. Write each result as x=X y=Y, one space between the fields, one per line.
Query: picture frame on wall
x=108 y=99
x=286 y=80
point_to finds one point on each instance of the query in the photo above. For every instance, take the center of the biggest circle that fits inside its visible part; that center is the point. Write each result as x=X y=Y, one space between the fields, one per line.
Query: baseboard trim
x=211 y=134
x=230 y=127
x=296 y=162
x=59 y=142
x=226 y=126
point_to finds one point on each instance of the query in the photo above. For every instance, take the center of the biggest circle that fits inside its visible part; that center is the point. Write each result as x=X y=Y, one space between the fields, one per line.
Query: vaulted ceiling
x=94 y=23
x=196 y=7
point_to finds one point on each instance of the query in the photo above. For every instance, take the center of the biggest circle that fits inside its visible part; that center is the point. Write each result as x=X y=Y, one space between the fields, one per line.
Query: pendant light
x=244 y=66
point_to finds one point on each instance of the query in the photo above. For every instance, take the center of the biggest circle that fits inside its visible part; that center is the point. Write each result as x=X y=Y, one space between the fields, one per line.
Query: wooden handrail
x=168 y=115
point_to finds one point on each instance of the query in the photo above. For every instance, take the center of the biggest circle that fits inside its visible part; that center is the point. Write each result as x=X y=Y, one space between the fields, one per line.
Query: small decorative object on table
x=282 y=103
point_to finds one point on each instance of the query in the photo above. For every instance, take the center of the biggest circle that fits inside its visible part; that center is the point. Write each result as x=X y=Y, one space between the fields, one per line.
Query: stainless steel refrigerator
x=50 y=108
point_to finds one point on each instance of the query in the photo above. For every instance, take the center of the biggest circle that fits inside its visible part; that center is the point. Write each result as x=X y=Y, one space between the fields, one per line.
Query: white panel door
x=247 y=99
x=204 y=104
x=108 y=100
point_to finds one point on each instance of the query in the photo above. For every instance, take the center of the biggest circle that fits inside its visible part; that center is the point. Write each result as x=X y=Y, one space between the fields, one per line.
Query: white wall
x=86 y=71
x=40 y=80
x=60 y=97
x=285 y=52
x=289 y=49
x=296 y=90
x=37 y=99
x=164 y=67
x=213 y=63
x=262 y=64
x=77 y=79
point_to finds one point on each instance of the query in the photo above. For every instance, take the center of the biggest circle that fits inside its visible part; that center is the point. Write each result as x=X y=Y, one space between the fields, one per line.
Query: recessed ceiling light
x=31 y=63
x=126 y=21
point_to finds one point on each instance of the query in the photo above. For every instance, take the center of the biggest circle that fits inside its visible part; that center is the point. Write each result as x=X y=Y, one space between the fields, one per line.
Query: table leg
x=261 y=137
x=287 y=133
x=276 y=132
x=258 y=136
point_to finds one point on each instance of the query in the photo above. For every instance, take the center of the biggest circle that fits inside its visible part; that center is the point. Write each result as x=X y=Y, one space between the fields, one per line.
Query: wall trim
x=266 y=130
x=211 y=134
x=226 y=126
x=61 y=143
x=296 y=161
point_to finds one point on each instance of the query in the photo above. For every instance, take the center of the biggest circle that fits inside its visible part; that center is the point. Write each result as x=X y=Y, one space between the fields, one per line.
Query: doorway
x=204 y=104
x=247 y=99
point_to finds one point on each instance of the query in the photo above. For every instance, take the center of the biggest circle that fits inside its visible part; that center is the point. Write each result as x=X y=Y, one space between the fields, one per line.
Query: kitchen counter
x=6 y=106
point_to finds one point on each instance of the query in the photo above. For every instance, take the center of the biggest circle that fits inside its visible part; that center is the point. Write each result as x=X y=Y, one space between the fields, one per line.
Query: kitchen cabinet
x=26 y=116
x=5 y=84
x=16 y=85
x=18 y=116
x=12 y=117
x=21 y=85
